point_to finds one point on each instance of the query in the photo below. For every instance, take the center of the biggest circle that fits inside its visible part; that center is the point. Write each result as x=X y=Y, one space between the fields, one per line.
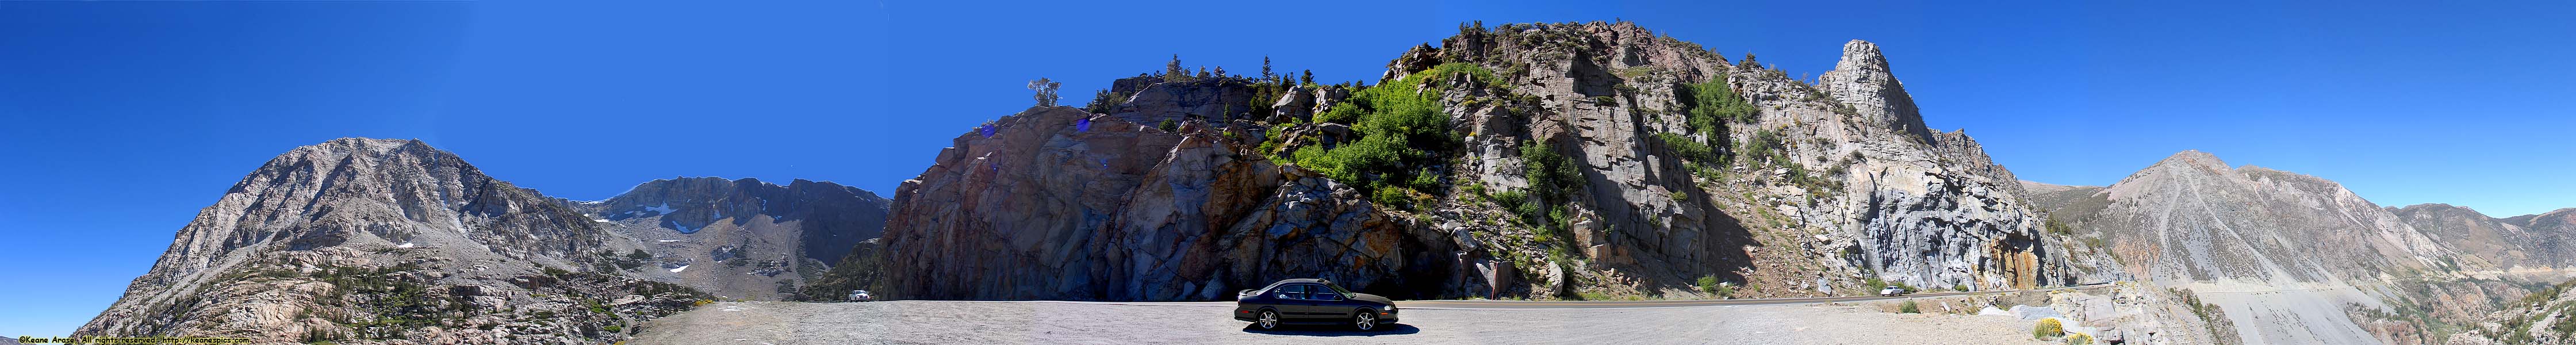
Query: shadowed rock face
x=1124 y=211
x=333 y=234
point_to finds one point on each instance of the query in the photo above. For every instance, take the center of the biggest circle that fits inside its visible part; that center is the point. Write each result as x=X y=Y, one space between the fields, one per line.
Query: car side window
x=1292 y=292
x=1324 y=293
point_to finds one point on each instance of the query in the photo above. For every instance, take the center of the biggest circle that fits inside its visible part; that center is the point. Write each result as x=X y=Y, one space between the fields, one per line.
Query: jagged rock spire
x=1863 y=81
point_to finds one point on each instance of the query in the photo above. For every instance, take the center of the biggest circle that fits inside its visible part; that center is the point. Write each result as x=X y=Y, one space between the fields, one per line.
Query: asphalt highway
x=1507 y=305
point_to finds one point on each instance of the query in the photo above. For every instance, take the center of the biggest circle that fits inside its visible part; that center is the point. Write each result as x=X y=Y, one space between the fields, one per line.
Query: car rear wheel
x=1269 y=320
x=1367 y=320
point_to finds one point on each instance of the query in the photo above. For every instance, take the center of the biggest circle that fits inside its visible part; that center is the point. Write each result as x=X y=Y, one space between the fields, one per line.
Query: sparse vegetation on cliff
x=1401 y=127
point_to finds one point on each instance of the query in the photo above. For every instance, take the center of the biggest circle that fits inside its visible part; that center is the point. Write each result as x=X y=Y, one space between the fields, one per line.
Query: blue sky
x=123 y=119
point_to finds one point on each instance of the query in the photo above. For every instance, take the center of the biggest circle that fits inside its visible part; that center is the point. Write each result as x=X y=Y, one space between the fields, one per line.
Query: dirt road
x=954 y=322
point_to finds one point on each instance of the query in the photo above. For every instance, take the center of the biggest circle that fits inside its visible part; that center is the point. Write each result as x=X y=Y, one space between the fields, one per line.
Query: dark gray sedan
x=1312 y=301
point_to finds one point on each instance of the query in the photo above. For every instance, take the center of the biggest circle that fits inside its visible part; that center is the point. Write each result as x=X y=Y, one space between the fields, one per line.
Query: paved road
x=1045 y=322
x=1508 y=305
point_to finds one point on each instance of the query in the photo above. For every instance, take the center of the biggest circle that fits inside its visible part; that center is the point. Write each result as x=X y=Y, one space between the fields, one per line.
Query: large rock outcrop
x=1815 y=196
x=1864 y=187
x=1863 y=80
x=1061 y=204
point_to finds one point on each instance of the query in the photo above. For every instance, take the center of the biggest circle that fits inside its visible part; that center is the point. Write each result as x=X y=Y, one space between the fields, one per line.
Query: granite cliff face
x=1050 y=207
x=1807 y=190
x=741 y=238
x=393 y=241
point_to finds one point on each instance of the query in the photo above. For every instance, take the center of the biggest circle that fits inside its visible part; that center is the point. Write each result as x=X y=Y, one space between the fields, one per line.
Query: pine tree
x=1203 y=72
x=1265 y=68
x=1309 y=78
x=1172 y=71
x=1045 y=91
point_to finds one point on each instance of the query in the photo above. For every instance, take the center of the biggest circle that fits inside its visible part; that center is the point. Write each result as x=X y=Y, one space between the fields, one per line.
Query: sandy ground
x=950 y=322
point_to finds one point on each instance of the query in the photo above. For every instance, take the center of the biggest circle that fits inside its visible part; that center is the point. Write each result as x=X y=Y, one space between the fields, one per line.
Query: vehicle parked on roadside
x=1892 y=291
x=861 y=296
x=1312 y=301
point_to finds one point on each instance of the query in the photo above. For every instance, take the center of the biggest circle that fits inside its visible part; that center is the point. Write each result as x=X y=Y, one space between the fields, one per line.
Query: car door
x=1326 y=304
x=1292 y=303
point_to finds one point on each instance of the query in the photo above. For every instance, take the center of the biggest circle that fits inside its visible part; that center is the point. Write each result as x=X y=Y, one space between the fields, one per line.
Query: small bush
x=1909 y=308
x=1553 y=176
x=1711 y=105
x=1687 y=149
x=1169 y=126
x=2048 y=329
x=2059 y=228
x=1391 y=197
x=2079 y=339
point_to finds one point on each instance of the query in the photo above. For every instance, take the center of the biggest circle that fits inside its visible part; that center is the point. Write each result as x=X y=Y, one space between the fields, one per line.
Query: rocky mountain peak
x=323 y=229
x=1863 y=81
x=2434 y=207
x=2195 y=159
x=1862 y=55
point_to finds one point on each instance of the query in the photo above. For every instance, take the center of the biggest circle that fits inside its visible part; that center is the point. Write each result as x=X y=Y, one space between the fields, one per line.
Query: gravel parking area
x=956 y=322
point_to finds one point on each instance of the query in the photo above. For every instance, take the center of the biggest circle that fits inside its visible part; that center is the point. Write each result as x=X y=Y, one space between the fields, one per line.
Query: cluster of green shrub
x=1400 y=126
x=2048 y=329
x=1712 y=105
x=1709 y=108
x=1710 y=285
x=1553 y=178
x=2058 y=228
x=392 y=302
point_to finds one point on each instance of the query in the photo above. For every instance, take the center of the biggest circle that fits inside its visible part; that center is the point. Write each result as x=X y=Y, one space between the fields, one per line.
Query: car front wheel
x=1367 y=320
x=1269 y=320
